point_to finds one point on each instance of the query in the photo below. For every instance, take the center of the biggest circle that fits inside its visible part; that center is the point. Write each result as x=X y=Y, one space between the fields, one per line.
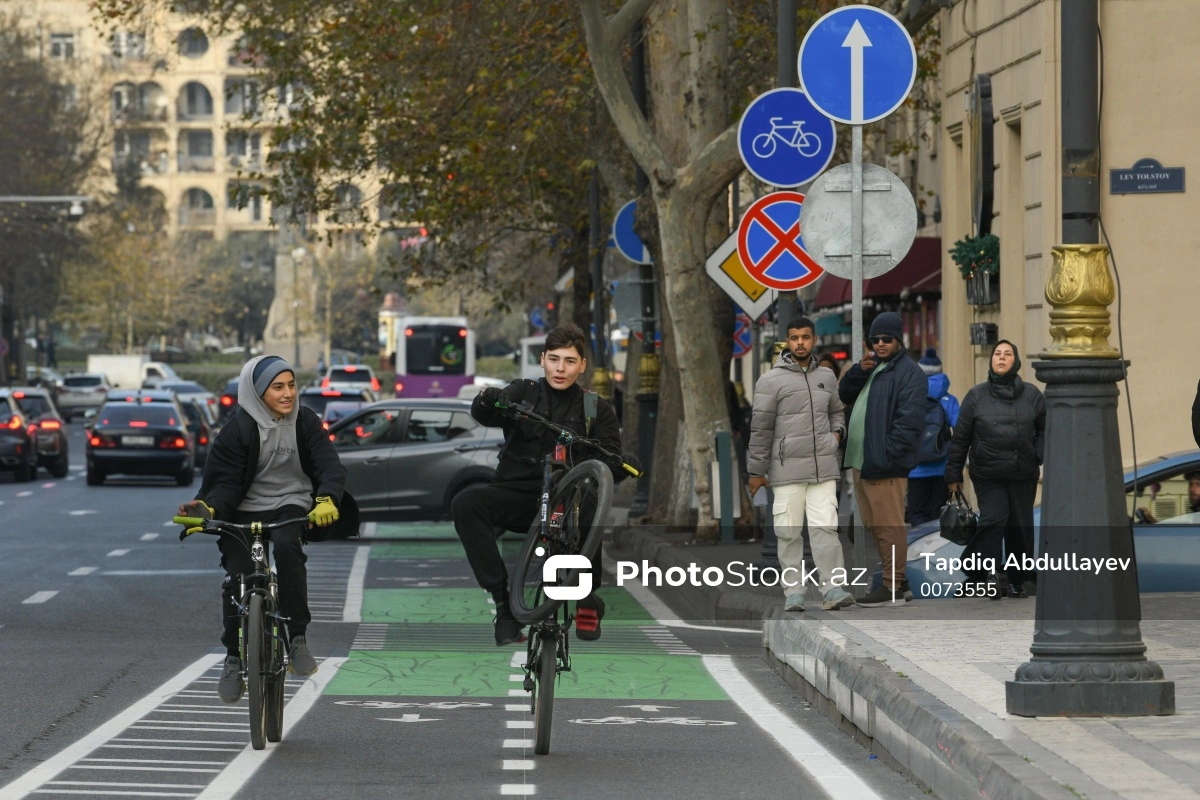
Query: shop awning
x=919 y=271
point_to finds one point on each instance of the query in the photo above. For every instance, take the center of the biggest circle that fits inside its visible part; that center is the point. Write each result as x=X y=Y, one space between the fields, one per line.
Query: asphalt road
x=109 y=637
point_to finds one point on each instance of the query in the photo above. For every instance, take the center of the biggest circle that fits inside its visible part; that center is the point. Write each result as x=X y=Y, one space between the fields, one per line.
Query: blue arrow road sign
x=628 y=242
x=784 y=140
x=857 y=64
x=537 y=317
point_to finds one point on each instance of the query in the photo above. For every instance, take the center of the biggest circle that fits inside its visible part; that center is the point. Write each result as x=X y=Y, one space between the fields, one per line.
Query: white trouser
x=819 y=501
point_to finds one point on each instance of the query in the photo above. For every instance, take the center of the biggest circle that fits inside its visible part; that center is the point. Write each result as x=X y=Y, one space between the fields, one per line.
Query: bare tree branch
x=715 y=167
x=605 y=51
x=621 y=24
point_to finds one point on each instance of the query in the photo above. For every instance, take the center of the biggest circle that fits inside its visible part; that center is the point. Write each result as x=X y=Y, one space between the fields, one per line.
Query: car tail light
x=137 y=423
x=332 y=437
x=350 y=369
x=375 y=384
x=325 y=425
x=331 y=393
x=173 y=443
x=325 y=382
x=50 y=424
x=203 y=439
x=399 y=388
x=462 y=332
x=31 y=431
x=14 y=424
x=19 y=395
x=100 y=440
x=226 y=400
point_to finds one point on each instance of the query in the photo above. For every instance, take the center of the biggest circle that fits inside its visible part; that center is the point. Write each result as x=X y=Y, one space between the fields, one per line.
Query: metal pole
x=1080 y=131
x=859 y=556
x=601 y=381
x=648 y=364
x=295 y=313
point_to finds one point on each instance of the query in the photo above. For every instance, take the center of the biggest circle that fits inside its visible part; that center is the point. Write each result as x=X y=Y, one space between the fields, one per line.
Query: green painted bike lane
x=436 y=641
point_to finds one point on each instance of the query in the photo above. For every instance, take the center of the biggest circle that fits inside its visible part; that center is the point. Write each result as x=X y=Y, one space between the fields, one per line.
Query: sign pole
x=856 y=319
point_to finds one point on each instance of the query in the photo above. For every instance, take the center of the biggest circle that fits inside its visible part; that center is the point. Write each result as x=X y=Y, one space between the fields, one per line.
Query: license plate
x=137 y=441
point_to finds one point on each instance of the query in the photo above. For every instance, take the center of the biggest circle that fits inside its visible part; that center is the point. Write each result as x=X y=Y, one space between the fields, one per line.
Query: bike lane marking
x=52 y=766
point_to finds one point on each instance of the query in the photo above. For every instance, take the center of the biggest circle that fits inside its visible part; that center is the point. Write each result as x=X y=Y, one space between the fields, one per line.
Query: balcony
x=197 y=217
x=251 y=162
x=190 y=163
x=983 y=289
x=148 y=164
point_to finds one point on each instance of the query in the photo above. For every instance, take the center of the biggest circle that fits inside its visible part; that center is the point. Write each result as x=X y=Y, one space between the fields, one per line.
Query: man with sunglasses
x=887 y=391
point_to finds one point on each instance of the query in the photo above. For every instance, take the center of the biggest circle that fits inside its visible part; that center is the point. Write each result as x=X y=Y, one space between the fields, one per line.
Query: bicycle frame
x=261 y=582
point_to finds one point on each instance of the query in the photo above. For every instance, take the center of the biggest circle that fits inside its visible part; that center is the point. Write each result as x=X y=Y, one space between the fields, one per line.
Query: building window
x=243 y=149
x=193 y=43
x=126 y=44
x=241 y=97
x=62 y=46
x=197 y=101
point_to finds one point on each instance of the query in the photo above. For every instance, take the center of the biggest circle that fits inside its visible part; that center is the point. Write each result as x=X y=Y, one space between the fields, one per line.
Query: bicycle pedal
x=528 y=685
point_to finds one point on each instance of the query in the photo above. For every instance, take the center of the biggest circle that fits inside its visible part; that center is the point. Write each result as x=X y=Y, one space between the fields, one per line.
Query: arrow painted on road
x=654 y=709
x=406 y=718
x=856 y=40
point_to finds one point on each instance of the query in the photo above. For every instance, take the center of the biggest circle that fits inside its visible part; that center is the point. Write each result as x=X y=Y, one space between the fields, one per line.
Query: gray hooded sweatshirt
x=279 y=481
x=796 y=411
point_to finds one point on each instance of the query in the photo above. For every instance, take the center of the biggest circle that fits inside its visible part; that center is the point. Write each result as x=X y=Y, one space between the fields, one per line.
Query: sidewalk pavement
x=923 y=685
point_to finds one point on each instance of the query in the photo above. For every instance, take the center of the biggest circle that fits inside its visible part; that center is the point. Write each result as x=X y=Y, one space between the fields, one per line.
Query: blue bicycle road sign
x=629 y=243
x=784 y=140
x=857 y=64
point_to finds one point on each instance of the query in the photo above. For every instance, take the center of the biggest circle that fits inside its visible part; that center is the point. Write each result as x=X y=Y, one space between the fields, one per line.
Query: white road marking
x=516 y=677
x=72 y=477
x=39 y=597
x=149 y=537
x=83 y=571
x=518 y=659
x=25 y=493
x=82 y=512
x=135 y=785
x=39 y=775
x=352 y=612
x=49 y=485
x=515 y=743
x=834 y=777
x=519 y=723
x=517 y=692
x=242 y=768
x=368 y=531
x=127 y=572
x=118 y=553
x=516 y=706
x=518 y=763
x=518 y=789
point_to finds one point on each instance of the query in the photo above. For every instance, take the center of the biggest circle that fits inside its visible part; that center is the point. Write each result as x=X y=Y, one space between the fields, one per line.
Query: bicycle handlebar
x=523 y=410
x=216 y=526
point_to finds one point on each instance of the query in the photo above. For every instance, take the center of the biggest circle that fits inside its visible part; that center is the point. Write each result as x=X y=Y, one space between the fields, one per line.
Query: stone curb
x=712 y=603
x=927 y=738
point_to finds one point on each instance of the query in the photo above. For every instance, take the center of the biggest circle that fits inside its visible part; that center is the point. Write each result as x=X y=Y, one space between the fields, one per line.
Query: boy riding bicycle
x=510 y=502
x=267 y=464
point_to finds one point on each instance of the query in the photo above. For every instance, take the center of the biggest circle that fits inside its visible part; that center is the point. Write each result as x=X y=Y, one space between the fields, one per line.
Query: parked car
x=337 y=410
x=50 y=434
x=82 y=393
x=190 y=390
x=17 y=451
x=228 y=400
x=406 y=459
x=201 y=428
x=140 y=438
x=318 y=399
x=1166 y=532
x=352 y=377
x=480 y=383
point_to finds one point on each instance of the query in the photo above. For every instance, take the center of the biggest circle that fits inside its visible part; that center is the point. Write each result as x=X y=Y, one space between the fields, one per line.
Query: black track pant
x=926 y=496
x=1006 y=518
x=287 y=545
x=480 y=509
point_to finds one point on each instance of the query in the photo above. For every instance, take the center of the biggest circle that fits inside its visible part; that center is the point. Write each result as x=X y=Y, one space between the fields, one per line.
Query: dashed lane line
x=352 y=610
x=82 y=571
x=39 y=597
x=148 y=537
x=118 y=553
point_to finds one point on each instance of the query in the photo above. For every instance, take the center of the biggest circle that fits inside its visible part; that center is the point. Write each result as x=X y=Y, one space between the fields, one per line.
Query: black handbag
x=959 y=521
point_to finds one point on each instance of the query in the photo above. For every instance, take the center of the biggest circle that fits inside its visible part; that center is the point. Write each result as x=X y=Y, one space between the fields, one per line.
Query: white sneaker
x=837 y=598
x=794 y=602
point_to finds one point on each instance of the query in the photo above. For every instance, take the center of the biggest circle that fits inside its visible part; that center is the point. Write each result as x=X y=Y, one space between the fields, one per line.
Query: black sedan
x=201 y=429
x=140 y=439
x=50 y=435
x=17 y=451
x=317 y=399
x=228 y=400
x=407 y=458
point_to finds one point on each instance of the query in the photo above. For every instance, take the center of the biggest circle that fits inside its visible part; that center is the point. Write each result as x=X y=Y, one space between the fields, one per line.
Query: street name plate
x=889 y=221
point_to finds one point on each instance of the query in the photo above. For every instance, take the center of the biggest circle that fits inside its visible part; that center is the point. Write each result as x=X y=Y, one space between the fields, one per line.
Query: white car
x=352 y=378
x=82 y=393
x=469 y=391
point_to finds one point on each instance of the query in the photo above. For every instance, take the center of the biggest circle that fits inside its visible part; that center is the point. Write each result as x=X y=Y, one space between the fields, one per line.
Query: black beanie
x=888 y=323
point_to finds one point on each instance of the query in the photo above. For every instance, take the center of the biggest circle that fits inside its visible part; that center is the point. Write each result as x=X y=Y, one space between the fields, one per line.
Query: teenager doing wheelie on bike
x=510 y=502
x=271 y=461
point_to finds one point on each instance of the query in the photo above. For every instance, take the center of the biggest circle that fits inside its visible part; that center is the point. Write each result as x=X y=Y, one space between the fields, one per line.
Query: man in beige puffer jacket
x=797 y=426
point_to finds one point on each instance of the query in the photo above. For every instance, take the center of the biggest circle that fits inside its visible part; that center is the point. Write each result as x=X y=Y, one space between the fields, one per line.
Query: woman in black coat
x=1002 y=427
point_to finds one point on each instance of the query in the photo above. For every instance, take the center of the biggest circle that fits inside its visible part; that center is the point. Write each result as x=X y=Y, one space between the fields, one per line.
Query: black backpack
x=935 y=439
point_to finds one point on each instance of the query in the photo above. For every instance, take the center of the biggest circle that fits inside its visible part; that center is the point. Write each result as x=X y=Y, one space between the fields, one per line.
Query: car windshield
x=82 y=380
x=185 y=388
x=136 y=415
x=349 y=375
x=35 y=405
x=436 y=350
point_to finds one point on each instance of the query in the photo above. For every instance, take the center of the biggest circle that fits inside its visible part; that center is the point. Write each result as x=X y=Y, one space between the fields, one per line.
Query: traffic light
x=551 y=314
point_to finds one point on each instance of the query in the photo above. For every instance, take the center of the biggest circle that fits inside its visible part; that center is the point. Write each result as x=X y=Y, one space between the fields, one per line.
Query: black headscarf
x=1009 y=385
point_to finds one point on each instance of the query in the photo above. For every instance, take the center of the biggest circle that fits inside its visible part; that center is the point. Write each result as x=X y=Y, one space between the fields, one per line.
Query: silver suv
x=82 y=393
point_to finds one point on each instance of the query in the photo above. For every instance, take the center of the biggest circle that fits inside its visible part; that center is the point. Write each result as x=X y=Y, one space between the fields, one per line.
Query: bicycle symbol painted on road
x=445 y=705
x=690 y=721
x=806 y=144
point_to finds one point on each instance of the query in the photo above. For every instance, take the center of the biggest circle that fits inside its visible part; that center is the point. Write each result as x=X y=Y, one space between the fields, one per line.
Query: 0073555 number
x=948 y=589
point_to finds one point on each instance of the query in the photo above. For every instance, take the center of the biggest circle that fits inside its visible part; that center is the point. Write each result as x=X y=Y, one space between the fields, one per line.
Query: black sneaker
x=907 y=590
x=231 y=686
x=882 y=597
x=588 y=613
x=301 y=658
x=508 y=630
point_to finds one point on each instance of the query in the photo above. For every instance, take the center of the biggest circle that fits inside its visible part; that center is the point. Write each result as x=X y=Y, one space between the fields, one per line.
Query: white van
x=530 y=357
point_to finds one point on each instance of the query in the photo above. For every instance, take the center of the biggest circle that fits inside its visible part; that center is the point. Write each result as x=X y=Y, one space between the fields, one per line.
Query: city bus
x=432 y=356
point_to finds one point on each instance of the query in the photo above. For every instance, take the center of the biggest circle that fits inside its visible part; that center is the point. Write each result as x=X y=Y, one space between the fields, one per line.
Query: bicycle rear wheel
x=256 y=650
x=543 y=716
x=579 y=502
x=275 y=680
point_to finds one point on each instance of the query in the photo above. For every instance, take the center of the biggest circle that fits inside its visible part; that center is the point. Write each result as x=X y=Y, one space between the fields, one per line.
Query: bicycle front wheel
x=256 y=649
x=578 y=505
x=544 y=705
x=275 y=678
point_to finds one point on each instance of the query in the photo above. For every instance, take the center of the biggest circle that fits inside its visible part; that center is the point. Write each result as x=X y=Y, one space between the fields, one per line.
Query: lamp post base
x=1118 y=696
